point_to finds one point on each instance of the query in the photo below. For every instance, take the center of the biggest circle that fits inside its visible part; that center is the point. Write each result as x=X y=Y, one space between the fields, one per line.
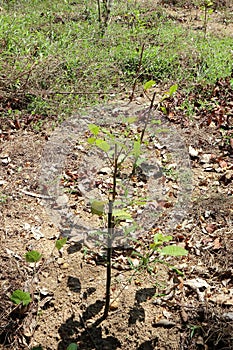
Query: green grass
x=47 y=48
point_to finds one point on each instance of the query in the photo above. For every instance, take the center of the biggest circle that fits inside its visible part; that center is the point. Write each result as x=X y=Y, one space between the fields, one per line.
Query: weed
x=59 y=61
x=3 y=198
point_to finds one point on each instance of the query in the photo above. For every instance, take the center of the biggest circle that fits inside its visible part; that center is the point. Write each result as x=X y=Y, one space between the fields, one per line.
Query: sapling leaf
x=60 y=243
x=102 y=144
x=108 y=133
x=139 y=161
x=32 y=256
x=72 y=346
x=159 y=239
x=91 y=140
x=173 y=89
x=163 y=109
x=19 y=296
x=94 y=129
x=148 y=84
x=137 y=148
x=121 y=214
x=162 y=130
x=97 y=207
x=173 y=250
x=121 y=145
x=130 y=120
x=156 y=121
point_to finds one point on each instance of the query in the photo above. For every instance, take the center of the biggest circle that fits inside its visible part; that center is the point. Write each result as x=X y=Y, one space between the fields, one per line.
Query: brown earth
x=191 y=311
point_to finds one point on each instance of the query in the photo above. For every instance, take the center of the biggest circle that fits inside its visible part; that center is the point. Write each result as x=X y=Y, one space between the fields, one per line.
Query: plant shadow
x=137 y=312
x=87 y=337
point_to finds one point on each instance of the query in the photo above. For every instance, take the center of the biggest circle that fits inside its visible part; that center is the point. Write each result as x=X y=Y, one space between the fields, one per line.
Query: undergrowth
x=54 y=60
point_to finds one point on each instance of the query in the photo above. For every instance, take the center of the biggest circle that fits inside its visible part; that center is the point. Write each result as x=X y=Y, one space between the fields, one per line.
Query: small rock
x=200 y=341
x=60 y=261
x=62 y=200
x=163 y=322
x=36 y=232
x=193 y=152
x=113 y=305
x=206 y=158
x=65 y=266
x=27 y=226
x=4 y=155
x=228 y=316
x=6 y=161
x=105 y=170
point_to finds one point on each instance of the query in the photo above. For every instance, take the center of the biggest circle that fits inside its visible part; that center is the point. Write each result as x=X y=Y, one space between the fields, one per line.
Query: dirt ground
x=162 y=310
x=186 y=307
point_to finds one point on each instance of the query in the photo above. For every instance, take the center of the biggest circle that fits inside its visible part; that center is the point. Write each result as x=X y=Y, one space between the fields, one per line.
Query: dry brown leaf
x=210 y=228
x=223 y=164
x=217 y=244
x=231 y=143
x=223 y=299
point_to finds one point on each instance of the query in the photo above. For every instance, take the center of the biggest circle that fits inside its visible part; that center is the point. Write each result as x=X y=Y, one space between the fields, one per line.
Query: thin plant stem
x=110 y=237
x=147 y=118
x=137 y=73
x=109 y=261
x=143 y=132
x=99 y=12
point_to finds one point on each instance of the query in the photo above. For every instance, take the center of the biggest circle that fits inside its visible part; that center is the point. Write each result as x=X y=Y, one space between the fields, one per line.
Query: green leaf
x=107 y=132
x=148 y=84
x=97 y=207
x=156 y=121
x=137 y=148
x=173 y=89
x=163 y=109
x=102 y=144
x=139 y=161
x=32 y=256
x=60 y=243
x=130 y=120
x=162 y=130
x=91 y=140
x=94 y=129
x=37 y=348
x=121 y=214
x=159 y=237
x=19 y=296
x=72 y=346
x=173 y=250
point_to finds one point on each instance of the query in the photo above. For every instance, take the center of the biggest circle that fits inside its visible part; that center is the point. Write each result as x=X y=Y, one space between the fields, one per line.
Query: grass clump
x=53 y=58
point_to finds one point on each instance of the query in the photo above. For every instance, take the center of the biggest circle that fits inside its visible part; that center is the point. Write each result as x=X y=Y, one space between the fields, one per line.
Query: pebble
x=193 y=152
x=6 y=161
x=60 y=261
x=206 y=158
x=65 y=266
x=113 y=305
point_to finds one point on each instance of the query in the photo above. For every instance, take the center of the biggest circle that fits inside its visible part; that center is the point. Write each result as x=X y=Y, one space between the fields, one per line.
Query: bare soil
x=162 y=310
